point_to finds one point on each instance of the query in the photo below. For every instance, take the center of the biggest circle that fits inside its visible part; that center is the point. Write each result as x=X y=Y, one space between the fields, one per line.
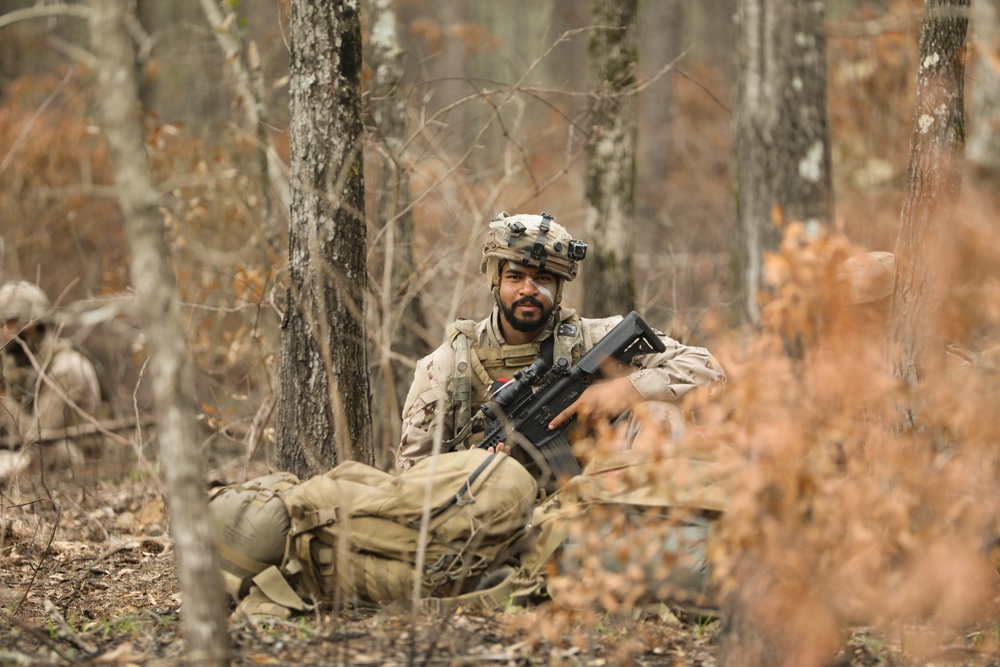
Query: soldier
x=870 y=284
x=527 y=260
x=46 y=385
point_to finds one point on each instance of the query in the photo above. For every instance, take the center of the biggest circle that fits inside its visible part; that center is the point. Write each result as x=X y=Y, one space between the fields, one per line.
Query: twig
x=131 y=544
x=42 y=637
x=37 y=568
x=257 y=426
x=16 y=658
x=65 y=630
x=60 y=9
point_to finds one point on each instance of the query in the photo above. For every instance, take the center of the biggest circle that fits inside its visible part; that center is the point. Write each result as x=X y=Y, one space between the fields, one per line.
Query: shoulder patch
x=566 y=330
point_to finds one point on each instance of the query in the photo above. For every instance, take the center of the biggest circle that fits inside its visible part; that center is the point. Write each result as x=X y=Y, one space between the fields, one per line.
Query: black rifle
x=518 y=413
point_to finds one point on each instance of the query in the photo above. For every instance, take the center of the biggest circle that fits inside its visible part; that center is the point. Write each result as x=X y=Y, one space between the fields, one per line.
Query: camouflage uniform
x=29 y=406
x=459 y=373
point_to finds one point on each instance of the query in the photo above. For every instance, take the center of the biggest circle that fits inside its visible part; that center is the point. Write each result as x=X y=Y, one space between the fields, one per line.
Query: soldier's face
x=527 y=296
x=16 y=336
x=10 y=329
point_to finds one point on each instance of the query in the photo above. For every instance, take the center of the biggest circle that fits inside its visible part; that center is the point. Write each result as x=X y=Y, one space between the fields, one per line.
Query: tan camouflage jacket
x=29 y=405
x=665 y=376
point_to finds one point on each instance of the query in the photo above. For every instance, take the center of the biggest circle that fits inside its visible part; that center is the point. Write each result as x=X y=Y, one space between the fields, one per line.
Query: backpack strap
x=275 y=587
x=514 y=584
x=458 y=498
x=239 y=565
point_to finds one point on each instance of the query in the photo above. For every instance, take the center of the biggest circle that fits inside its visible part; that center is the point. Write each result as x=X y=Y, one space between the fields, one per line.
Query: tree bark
x=204 y=607
x=933 y=179
x=984 y=103
x=614 y=59
x=324 y=413
x=661 y=42
x=782 y=137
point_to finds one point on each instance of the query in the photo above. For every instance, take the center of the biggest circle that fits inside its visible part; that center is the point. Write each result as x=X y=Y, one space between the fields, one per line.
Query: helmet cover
x=870 y=277
x=533 y=240
x=23 y=301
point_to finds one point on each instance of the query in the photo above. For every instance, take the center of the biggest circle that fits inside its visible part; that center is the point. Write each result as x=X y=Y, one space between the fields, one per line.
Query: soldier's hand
x=499 y=448
x=602 y=400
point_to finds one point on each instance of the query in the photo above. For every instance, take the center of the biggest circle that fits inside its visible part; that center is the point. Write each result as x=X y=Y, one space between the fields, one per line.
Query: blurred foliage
x=836 y=517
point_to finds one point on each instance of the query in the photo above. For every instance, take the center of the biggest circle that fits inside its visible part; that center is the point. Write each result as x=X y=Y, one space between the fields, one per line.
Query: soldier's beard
x=521 y=324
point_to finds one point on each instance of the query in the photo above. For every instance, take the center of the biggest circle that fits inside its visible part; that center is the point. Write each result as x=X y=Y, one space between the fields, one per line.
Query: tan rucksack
x=251 y=526
x=353 y=532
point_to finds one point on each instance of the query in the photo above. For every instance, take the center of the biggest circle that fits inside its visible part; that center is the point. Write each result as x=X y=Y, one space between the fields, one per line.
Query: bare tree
x=614 y=59
x=324 y=412
x=932 y=183
x=661 y=36
x=243 y=62
x=783 y=154
x=984 y=102
x=403 y=335
x=205 y=623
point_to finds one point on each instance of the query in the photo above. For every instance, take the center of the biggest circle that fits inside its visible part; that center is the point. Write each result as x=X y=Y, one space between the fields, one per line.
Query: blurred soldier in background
x=870 y=281
x=47 y=387
x=527 y=260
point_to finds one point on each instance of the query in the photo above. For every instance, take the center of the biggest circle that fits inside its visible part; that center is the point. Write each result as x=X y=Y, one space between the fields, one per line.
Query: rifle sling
x=457 y=498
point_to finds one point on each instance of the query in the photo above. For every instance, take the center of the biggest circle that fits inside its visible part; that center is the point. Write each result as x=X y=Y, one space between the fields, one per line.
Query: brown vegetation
x=846 y=540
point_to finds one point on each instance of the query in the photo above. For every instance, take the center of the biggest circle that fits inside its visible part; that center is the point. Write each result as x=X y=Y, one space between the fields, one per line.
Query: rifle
x=519 y=412
x=16 y=441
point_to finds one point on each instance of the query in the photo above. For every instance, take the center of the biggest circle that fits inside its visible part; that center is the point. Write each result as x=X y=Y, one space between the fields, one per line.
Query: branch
x=43 y=11
x=249 y=85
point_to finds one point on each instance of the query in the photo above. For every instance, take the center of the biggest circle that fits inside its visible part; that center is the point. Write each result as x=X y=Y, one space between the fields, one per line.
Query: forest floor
x=87 y=577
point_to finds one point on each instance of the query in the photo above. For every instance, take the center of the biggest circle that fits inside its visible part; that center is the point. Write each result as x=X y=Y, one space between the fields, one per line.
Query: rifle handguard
x=520 y=411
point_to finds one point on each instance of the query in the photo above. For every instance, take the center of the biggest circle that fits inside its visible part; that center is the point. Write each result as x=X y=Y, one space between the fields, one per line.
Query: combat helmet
x=534 y=240
x=24 y=301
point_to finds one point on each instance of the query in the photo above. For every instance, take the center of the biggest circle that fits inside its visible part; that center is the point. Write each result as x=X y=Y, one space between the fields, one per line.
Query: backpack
x=251 y=525
x=353 y=533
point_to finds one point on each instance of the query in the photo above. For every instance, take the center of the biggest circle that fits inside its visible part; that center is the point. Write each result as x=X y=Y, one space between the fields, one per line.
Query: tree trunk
x=324 y=413
x=614 y=59
x=661 y=42
x=563 y=68
x=984 y=105
x=204 y=607
x=932 y=182
x=783 y=155
x=713 y=32
x=402 y=339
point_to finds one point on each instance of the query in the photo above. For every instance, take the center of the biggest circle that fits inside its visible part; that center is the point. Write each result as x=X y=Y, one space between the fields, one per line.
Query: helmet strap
x=537 y=250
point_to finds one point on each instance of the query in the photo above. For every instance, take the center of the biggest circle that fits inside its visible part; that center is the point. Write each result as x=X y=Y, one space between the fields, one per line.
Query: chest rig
x=478 y=366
